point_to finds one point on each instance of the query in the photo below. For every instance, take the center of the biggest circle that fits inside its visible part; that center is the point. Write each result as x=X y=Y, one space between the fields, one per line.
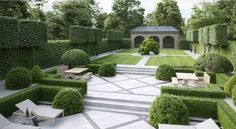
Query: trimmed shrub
x=107 y=70
x=194 y=36
x=149 y=45
x=229 y=85
x=9 y=32
x=18 y=78
x=213 y=62
x=32 y=33
x=168 y=109
x=212 y=91
x=184 y=44
x=165 y=72
x=94 y=68
x=70 y=100
x=218 y=35
x=78 y=34
x=75 y=57
x=37 y=74
x=234 y=95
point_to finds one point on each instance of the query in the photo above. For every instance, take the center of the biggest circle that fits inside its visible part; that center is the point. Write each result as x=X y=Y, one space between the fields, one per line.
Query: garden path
x=193 y=55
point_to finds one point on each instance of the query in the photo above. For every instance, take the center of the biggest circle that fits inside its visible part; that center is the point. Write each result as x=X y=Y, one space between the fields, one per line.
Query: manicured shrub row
x=201 y=107
x=168 y=109
x=94 y=68
x=22 y=33
x=68 y=83
x=205 y=34
x=188 y=35
x=234 y=95
x=213 y=62
x=229 y=85
x=194 y=36
x=125 y=43
x=7 y=104
x=114 y=35
x=184 y=44
x=32 y=33
x=9 y=37
x=212 y=91
x=75 y=57
x=200 y=36
x=218 y=34
x=221 y=79
x=226 y=115
x=70 y=100
x=184 y=70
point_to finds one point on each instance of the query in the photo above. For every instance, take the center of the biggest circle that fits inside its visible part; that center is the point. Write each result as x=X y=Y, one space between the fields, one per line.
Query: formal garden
x=67 y=72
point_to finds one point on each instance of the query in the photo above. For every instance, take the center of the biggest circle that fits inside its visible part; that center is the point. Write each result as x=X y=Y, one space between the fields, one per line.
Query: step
x=136 y=72
x=120 y=97
x=135 y=69
x=117 y=104
x=126 y=111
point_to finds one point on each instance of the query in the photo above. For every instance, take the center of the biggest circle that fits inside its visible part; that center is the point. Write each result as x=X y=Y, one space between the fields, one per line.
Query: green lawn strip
x=130 y=51
x=171 y=60
x=173 y=52
x=119 y=59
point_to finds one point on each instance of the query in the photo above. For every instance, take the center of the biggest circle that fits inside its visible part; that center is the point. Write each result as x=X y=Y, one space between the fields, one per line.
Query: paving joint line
x=90 y=120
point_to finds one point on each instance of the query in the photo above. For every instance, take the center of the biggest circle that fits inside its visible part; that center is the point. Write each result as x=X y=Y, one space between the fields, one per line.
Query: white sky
x=149 y=5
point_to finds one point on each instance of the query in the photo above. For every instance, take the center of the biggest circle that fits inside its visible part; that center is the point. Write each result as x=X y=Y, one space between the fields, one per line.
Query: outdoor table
x=75 y=71
x=186 y=77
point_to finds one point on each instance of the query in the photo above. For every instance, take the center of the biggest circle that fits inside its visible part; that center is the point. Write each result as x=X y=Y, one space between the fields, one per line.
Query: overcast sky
x=149 y=5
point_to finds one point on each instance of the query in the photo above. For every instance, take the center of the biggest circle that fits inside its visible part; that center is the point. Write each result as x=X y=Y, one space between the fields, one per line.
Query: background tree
x=167 y=13
x=126 y=15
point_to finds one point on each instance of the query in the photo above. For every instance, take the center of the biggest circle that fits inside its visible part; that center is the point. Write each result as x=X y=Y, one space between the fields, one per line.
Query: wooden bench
x=174 y=81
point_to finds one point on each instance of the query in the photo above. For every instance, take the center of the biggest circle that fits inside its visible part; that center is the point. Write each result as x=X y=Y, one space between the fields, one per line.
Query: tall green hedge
x=218 y=34
x=194 y=36
x=8 y=32
x=78 y=34
x=32 y=33
x=205 y=35
x=114 y=35
x=188 y=35
x=91 y=36
x=98 y=35
x=200 y=36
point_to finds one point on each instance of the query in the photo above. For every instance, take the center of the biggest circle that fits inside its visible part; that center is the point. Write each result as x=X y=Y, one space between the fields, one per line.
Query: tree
x=150 y=19
x=100 y=19
x=167 y=13
x=126 y=15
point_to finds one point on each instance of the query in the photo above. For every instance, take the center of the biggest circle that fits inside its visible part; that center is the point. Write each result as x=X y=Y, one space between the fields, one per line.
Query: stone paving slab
x=137 y=125
x=150 y=80
x=104 y=87
x=150 y=90
x=107 y=119
x=135 y=76
x=127 y=84
x=96 y=80
x=118 y=77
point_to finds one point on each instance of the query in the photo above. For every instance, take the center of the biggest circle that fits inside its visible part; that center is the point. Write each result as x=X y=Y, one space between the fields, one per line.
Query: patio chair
x=207 y=124
x=61 y=72
x=174 y=81
x=42 y=113
x=203 y=81
x=6 y=124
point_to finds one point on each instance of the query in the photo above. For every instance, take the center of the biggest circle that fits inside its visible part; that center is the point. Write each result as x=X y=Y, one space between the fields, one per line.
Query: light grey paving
x=134 y=76
x=117 y=77
x=96 y=80
x=122 y=92
x=143 y=61
x=127 y=84
x=77 y=121
x=164 y=84
x=137 y=125
x=229 y=101
x=150 y=80
x=193 y=55
x=150 y=90
x=104 y=87
x=107 y=119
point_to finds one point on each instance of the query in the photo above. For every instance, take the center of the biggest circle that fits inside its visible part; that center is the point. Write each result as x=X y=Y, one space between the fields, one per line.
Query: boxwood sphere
x=229 y=85
x=70 y=100
x=75 y=57
x=37 y=74
x=168 y=109
x=149 y=45
x=18 y=78
x=214 y=63
x=107 y=70
x=165 y=72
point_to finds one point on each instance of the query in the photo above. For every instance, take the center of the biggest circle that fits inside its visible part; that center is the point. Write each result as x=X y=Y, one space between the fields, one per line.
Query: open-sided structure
x=167 y=36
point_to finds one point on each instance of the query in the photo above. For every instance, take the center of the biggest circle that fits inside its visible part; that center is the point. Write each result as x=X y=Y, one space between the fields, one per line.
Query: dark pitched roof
x=154 y=29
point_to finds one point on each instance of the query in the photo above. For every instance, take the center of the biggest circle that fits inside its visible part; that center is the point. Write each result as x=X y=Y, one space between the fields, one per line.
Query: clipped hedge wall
x=99 y=35
x=194 y=36
x=125 y=43
x=78 y=34
x=212 y=91
x=205 y=35
x=9 y=37
x=218 y=34
x=200 y=35
x=188 y=35
x=114 y=35
x=32 y=33
x=91 y=35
